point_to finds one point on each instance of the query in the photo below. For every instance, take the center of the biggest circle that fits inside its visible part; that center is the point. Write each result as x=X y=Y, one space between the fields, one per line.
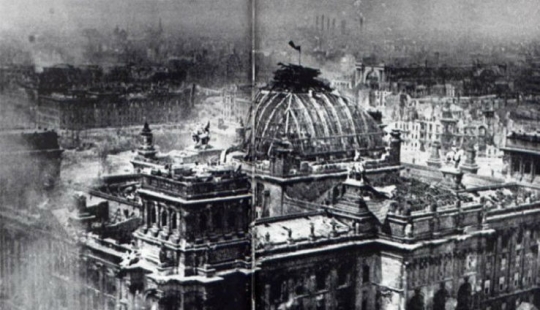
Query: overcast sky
x=494 y=18
x=203 y=16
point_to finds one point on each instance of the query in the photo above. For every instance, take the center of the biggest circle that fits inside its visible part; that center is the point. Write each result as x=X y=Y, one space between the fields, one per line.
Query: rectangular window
x=501 y=284
x=365 y=274
x=342 y=276
x=321 y=280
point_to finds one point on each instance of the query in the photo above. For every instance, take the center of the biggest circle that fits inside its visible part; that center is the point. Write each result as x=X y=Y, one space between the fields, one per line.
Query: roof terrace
x=193 y=181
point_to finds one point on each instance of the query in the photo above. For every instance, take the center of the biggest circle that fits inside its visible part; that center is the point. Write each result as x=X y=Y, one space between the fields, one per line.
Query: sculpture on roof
x=201 y=136
x=454 y=156
x=358 y=170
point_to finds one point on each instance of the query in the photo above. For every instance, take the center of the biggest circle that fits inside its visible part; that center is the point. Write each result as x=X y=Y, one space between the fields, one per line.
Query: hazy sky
x=502 y=19
x=203 y=16
x=495 y=18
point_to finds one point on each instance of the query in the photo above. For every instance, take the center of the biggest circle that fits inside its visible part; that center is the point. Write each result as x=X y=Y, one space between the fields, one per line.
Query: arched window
x=174 y=219
x=164 y=218
x=152 y=213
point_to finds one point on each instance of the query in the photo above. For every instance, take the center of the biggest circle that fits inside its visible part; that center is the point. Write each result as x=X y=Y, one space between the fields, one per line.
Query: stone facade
x=522 y=151
x=86 y=110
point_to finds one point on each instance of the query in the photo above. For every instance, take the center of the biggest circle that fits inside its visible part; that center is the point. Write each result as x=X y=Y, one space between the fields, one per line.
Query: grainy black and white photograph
x=269 y=154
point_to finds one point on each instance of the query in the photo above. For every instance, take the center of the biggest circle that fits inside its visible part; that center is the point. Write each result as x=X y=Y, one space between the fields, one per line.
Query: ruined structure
x=378 y=236
x=305 y=133
x=522 y=151
x=86 y=110
x=317 y=213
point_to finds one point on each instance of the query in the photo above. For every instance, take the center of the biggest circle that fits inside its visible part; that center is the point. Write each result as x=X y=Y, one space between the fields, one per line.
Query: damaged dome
x=301 y=109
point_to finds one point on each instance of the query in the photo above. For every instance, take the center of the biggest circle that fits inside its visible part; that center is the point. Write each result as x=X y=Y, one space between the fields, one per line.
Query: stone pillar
x=240 y=134
x=145 y=216
x=158 y=216
x=510 y=171
x=521 y=167
x=169 y=219
x=533 y=170
x=120 y=297
x=147 y=149
x=155 y=227
x=470 y=165
x=404 y=285
x=395 y=146
x=435 y=158
x=179 y=223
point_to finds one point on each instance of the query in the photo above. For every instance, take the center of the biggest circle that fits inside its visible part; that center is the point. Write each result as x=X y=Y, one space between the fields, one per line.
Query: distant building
x=423 y=123
x=87 y=110
x=230 y=108
x=522 y=156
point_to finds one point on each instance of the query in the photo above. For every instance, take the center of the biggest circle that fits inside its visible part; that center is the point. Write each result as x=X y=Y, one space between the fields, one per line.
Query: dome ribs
x=267 y=102
x=309 y=119
x=313 y=115
x=364 y=123
x=336 y=122
x=321 y=115
x=317 y=124
x=270 y=118
x=345 y=107
x=300 y=140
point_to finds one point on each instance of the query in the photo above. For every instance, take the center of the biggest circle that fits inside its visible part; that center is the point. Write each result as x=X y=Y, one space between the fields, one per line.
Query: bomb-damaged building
x=313 y=210
x=73 y=98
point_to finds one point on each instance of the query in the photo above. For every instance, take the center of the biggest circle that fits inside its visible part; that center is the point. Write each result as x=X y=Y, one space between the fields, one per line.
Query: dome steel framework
x=314 y=123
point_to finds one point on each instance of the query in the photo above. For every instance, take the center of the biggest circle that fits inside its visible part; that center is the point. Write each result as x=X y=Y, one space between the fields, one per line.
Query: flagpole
x=299 y=49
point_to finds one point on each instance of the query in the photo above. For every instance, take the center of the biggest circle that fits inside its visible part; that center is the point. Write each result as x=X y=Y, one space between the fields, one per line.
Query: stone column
x=521 y=167
x=165 y=228
x=435 y=158
x=145 y=216
x=533 y=169
x=510 y=171
x=404 y=285
x=179 y=222
x=470 y=165
x=158 y=215
x=155 y=225
x=395 y=146
x=170 y=219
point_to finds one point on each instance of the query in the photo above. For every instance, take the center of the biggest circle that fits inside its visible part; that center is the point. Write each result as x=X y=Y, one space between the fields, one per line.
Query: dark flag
x=298 y=48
